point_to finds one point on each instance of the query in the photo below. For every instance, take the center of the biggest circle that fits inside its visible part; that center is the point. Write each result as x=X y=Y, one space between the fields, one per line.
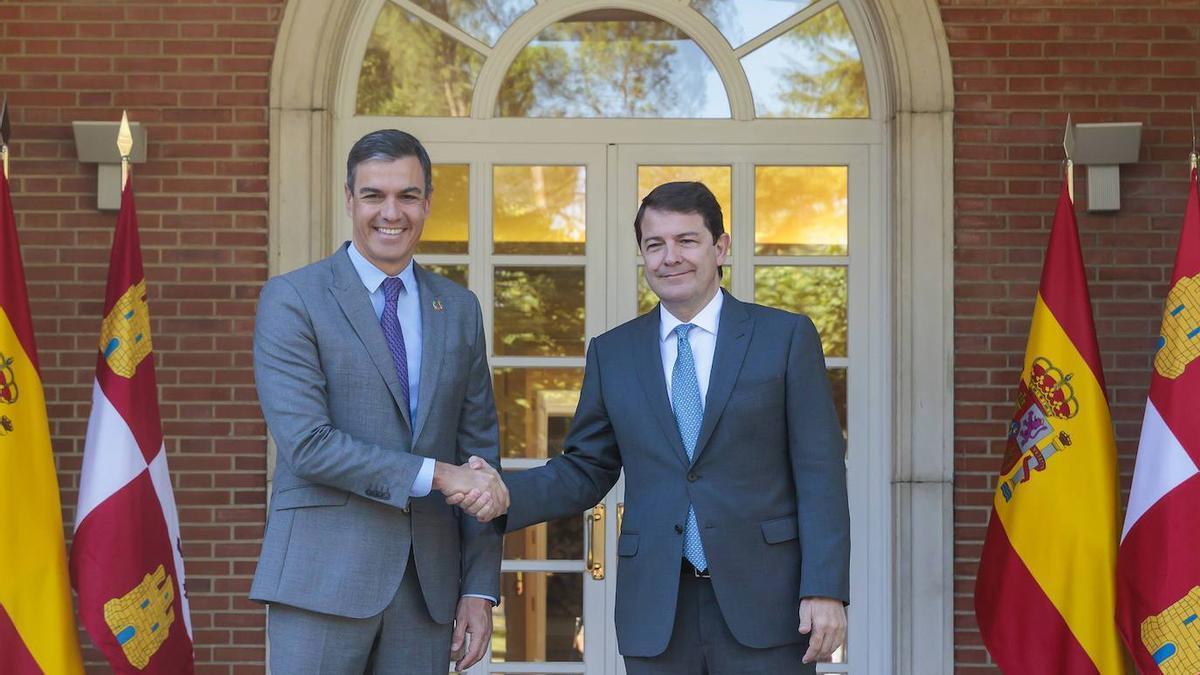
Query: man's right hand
x=476 y=487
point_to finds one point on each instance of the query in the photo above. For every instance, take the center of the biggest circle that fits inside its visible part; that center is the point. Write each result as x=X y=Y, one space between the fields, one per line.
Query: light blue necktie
x=689 y=413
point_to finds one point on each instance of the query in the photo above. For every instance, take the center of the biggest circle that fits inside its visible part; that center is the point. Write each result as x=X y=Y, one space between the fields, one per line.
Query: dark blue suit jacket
x=768 y=478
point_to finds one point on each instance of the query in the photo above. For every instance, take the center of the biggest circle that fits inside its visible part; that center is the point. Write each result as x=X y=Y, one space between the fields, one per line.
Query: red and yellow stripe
x=37 y=624
x=1045 y=594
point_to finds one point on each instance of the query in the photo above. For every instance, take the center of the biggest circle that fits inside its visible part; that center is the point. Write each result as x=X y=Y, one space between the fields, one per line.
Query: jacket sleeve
x=818 y=468
x=479 y=435
x=579 y=478
x=292 y=390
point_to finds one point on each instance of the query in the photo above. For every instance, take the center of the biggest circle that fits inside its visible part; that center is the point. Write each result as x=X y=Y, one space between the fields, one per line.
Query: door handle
x=595 y=557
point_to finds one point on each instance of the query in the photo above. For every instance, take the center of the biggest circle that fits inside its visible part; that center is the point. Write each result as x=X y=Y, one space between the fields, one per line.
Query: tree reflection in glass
x=484 y=20
x=612 y=63
x=740 y=20
x=449 y=216
x=539 y=311
x=813 y=70
x=539 y=209
x=800 y=210
x=818 y=291
x=411 y=68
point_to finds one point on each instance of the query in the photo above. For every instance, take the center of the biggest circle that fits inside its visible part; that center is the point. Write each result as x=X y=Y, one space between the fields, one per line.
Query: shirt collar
x=706 y=319
x=372 y=276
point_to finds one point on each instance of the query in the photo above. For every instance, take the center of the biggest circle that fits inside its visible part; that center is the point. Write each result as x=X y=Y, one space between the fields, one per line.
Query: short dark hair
x=683 y=197
x=389 y=144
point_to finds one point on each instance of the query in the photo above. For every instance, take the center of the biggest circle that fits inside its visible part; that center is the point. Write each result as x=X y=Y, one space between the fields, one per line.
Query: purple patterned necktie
x=392 y=332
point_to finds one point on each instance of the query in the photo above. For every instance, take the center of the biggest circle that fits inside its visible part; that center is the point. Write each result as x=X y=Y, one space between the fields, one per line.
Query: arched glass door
x=547 y=122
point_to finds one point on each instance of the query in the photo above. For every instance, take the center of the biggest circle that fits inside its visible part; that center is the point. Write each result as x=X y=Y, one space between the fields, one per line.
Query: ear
x=723 y=244
x=349 y=201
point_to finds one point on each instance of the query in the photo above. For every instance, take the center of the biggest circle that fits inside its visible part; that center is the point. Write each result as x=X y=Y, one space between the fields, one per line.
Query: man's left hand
x=824 y=621
x=474 y=617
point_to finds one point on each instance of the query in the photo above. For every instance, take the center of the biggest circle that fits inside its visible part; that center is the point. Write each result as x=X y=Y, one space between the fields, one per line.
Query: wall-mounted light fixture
x=97 y=142
x=1103 y=148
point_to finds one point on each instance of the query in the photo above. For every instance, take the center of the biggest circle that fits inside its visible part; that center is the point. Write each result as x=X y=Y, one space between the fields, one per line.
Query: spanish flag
x=126 y=559
x=1158 y=566
x=1045 y=593
x=37 y=625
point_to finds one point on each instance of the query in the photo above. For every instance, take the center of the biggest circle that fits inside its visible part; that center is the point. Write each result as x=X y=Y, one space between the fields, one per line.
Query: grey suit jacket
x=768 y=478
x=341 y=522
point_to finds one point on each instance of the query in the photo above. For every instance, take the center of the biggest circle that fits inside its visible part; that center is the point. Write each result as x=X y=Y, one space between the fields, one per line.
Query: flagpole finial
x=1068 y=150
x=1193 y=155
x=5 y=130
x=125 y=147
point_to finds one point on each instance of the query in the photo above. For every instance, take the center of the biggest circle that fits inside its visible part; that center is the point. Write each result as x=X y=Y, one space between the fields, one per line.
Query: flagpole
x=1192 y=156
x=125 y=147
x=1068 y=143
x=4 y=129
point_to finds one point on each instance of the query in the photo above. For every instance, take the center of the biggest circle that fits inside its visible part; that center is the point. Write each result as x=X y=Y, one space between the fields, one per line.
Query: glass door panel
x=537 y=263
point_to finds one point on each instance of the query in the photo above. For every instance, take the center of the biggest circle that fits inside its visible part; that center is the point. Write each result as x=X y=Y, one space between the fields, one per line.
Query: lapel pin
x=437 y=305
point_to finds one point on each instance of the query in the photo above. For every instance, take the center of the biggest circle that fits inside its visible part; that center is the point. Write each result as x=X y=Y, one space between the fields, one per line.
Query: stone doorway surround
x=919 y=100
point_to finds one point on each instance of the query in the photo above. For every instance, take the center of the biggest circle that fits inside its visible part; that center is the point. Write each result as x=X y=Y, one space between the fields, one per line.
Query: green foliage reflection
x=819 y=291
x=609 y=63
x=539 y=311
x=411 y=68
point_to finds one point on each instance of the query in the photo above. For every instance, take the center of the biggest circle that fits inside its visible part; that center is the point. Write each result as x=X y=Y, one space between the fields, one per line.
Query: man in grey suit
x=734 y=553
x=374 y=382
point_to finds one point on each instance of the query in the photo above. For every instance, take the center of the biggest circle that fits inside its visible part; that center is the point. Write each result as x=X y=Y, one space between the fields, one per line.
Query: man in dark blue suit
x=734 y=552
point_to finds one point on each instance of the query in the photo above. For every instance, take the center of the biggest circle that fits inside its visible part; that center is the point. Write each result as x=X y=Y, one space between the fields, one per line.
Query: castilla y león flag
x=1158 y=564
x=125 y=560
x=37 y=626
x=1044 y=596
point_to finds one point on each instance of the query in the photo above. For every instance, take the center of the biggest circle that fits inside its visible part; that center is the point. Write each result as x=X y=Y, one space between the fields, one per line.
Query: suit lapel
x=733 y=337
x=433 y=345
x=352 y=297
x=648 y=359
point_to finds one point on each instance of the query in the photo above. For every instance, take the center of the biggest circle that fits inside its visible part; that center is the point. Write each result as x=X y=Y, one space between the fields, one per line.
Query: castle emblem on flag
x=1173 y=637
x=1046 y=395
x=142 y=618
x=1179 y=343
x=8 y=380
x=125 y=332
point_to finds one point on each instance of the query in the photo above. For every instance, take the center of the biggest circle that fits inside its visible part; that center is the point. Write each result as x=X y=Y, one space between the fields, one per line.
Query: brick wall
x=196 y=75
x=1019 y=68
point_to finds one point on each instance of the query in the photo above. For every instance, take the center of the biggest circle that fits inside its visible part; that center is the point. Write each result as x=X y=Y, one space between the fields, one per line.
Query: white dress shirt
x=702 y=339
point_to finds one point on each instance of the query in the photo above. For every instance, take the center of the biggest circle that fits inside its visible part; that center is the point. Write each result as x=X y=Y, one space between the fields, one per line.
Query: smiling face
x=388 y=206
x=681 y=260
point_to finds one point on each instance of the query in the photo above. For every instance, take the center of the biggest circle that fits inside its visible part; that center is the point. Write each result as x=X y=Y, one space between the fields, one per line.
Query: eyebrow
x=411 y=190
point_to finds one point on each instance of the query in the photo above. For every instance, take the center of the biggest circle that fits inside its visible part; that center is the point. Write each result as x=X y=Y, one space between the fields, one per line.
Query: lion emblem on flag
x=1045 y=396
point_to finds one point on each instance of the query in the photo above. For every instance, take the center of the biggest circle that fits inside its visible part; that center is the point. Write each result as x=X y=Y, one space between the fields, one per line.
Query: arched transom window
x=799 y=60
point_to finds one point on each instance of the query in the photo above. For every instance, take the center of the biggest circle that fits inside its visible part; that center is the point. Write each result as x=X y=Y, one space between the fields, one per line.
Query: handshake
x=476 y=487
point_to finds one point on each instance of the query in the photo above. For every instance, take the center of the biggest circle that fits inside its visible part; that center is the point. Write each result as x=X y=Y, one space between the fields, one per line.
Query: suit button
x=678 y=528
x=692 y=477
